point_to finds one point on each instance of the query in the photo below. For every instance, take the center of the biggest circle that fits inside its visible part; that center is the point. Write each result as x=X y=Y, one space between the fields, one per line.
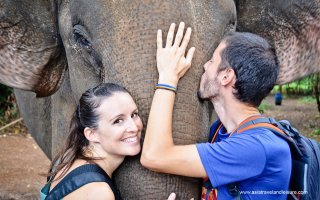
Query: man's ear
x=91 y=134
x=228 y=76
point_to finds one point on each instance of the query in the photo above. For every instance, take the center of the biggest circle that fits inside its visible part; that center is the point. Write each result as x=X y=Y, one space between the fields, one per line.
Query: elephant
x=293 y=27
x=56 y=49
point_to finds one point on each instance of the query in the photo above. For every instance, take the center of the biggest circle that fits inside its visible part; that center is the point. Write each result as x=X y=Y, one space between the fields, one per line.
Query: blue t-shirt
x=257 y=159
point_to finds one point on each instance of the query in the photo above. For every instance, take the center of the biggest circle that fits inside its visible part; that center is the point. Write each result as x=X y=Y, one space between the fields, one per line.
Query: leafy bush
x=8 y=107
x=316 y=132
x=264 y=106
x=307 y=99
x=304 y=86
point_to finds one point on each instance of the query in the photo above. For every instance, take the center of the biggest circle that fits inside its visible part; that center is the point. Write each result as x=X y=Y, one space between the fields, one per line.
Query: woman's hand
x=173 y=197
x=171 y=62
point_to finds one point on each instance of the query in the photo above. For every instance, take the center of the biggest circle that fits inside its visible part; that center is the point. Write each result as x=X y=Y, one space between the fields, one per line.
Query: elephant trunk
x=31 y=54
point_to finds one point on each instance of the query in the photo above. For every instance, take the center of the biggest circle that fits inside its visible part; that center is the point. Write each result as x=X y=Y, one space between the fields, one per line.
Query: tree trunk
x=316 y=87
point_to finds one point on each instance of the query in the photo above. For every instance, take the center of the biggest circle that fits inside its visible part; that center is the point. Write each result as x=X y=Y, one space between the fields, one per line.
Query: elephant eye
x=83 y=40
x=81 y=37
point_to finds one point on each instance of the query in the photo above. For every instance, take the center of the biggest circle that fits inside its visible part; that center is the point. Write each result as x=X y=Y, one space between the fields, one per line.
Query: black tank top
x=79 y=177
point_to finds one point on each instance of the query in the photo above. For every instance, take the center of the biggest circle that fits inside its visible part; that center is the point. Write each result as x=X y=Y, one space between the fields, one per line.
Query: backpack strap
x=217 y=125
x=79 y=177
x=261 y=122
x=280 y=129
x=208 y=191
x=316 y=147
x=267 y=123
x=214 y=133
x=256 y=121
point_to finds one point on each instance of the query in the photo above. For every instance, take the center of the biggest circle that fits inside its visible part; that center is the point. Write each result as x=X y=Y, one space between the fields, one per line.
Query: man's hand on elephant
x=171 y=61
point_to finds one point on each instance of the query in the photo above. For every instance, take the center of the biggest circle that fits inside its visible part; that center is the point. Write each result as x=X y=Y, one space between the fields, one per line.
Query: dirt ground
x=302 y=115
x=22 y=161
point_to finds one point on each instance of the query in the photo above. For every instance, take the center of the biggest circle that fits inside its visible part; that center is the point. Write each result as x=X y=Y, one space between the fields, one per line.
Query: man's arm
x=159 y=152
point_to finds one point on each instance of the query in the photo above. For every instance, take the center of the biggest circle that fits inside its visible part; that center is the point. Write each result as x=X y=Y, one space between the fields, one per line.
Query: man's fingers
x=188 y=61
x=179 y=35
x=186 y=39
x=159 y=39
x=170 y=35
x=190 y=55
x=172 y=196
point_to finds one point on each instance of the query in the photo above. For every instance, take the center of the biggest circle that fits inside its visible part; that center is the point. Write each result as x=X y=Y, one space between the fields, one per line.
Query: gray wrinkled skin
x=64 y=47
x=292 y=26
x=31 y=55
x=115 y=41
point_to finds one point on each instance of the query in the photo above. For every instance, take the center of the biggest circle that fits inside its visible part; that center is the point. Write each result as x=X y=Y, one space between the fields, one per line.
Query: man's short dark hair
x=255 y=64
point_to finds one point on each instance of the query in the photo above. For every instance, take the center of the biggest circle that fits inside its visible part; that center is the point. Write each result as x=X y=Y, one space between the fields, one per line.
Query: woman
x=104 y=129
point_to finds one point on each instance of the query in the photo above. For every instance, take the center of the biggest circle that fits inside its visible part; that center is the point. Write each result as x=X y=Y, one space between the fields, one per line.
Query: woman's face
x=119 y=126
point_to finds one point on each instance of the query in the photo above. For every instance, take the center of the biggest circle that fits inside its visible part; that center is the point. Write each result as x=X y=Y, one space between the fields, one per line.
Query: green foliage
x=264 y=106
x=8 y=108
x=307 y=99
x=299 y=87
x=309 y=86
x=4 y=92
x=316 y=132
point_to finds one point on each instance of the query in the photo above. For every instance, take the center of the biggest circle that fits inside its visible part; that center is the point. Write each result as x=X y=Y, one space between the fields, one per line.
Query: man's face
x=210 y=85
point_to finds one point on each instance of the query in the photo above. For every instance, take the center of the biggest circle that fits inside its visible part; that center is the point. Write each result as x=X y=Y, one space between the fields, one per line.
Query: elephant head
x=110 y=41
x=68 y=46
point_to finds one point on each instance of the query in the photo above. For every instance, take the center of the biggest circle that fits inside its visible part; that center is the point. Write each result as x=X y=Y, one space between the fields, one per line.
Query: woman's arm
x=159 y=152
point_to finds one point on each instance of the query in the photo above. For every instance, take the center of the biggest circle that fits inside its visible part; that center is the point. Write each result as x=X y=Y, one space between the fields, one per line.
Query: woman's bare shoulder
x=94 y=191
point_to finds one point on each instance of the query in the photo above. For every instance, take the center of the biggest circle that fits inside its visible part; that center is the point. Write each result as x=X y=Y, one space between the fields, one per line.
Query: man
x=241 y=72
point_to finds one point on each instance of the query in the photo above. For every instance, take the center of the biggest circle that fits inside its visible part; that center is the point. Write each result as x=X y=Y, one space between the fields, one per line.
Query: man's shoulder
x=260 y=132
x=271 y=142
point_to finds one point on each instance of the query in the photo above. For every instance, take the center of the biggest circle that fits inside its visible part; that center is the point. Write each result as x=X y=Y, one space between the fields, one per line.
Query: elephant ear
x=31 y=53
x=292 y=26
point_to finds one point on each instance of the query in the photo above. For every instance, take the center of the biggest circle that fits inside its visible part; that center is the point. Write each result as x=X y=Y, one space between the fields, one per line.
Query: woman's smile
x=131 y=140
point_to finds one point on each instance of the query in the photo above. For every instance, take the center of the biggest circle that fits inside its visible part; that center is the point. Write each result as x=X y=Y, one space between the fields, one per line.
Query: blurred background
x=22 y=162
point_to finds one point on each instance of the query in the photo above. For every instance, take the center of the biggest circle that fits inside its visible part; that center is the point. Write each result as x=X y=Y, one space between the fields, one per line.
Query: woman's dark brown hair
x=84 y=116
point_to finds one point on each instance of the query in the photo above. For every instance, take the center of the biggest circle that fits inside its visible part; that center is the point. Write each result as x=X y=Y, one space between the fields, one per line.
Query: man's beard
x=210 y=90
